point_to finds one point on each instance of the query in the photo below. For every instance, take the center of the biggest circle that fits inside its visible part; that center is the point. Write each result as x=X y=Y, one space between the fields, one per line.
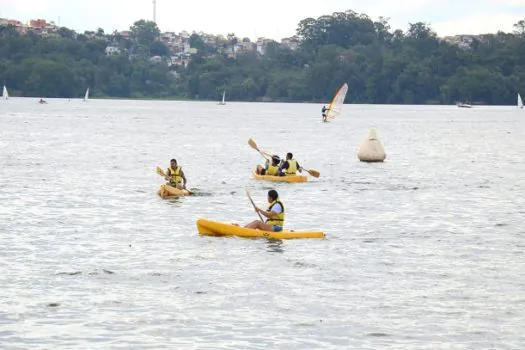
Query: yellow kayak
x=215 y=228
x=167 y=191
x=290 y=179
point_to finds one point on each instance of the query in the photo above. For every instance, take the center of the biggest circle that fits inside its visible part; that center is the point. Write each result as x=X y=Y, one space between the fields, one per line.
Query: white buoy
x=371 y=149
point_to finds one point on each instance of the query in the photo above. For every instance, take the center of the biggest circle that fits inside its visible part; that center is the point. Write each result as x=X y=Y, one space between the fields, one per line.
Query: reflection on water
x=275 y=246
x=417 y=248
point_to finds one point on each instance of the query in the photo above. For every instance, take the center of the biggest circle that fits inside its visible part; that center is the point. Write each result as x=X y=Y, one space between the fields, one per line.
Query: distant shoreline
x=185 y=99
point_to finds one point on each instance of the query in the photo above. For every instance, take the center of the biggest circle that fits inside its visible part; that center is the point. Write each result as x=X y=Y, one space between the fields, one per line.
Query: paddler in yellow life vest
x=270 y=169
x=175 y=176
x=290 y=167
x=274 y=215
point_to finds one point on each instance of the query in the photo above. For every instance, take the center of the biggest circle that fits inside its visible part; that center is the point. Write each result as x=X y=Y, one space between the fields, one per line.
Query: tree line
x=379 y=64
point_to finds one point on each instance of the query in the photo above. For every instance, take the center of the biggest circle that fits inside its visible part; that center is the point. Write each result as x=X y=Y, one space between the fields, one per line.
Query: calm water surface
x=424 y=251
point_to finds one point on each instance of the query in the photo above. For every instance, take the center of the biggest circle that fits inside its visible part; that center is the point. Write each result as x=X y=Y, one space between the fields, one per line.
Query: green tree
x=144 y=32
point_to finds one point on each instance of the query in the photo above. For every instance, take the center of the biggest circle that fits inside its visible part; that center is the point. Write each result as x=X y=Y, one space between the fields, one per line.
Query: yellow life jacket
x=277 y=220
x=175 y=177
x=292 y=167
x=272 y=170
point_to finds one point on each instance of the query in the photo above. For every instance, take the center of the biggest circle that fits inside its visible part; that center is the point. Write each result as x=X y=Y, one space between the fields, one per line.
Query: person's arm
x=284 y=166
x=168 y=175
x=268 y=214
x=183 y=178
x=299 y=168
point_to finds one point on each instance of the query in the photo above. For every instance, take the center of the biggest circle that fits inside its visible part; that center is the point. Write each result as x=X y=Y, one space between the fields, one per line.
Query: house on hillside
x=291 y=43
x=156 y=59
x=462 y=41
x=126 y=34
x=112 y=51
x=247 y=46
x=262 y=44
x=20 y=27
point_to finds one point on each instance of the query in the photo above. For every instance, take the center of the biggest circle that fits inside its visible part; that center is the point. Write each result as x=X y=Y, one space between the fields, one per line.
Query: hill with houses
x=381 y=65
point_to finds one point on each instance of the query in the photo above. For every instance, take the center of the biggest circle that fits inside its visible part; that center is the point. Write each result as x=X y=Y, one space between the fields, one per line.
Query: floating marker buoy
x=371 y=149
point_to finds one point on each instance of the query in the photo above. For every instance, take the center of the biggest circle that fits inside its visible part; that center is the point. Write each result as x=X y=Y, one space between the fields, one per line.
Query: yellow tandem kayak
x=167 y=191
x=215 y=228
x=289 y=179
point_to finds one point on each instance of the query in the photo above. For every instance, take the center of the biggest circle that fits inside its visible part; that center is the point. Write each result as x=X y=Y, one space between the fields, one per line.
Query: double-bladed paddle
x=265 y=154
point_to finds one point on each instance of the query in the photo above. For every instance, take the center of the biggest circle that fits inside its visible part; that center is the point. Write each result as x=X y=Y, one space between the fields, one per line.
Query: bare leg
x=253 y=224
x=259 y=170
x=258 y=225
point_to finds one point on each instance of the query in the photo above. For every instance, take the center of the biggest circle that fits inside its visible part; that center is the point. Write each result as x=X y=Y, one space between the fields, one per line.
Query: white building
x=156 y=59
x=462 y=41
x=112 y=51
x=291 y=43
x=262 y=44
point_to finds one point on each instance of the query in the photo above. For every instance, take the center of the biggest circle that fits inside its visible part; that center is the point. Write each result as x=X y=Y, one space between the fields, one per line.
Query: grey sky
x=269 y=18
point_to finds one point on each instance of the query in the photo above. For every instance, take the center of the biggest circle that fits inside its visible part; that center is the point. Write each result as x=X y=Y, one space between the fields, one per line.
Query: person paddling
x=274 y=215
x=269 y=169
x=290 y=166
x=175 y=176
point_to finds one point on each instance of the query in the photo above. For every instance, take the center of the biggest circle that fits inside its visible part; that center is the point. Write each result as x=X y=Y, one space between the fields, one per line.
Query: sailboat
x=223 y=98
x=463 y=105
x=5 y=94
x=86 y=97
x=520 y=101
x=336 y=105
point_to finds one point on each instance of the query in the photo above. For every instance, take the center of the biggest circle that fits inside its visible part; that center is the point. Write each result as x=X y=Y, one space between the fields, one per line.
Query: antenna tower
x=155 y=11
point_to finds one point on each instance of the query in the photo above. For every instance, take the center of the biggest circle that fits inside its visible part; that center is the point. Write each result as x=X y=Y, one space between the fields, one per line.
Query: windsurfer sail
x=337 y=103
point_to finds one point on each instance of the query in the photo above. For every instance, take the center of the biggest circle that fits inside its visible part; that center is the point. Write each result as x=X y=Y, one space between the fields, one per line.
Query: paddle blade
x=314 y=173
x=160 y=172
x=252 y=144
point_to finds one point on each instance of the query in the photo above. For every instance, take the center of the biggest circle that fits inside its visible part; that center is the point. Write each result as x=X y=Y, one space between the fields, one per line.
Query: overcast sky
x=269 y=18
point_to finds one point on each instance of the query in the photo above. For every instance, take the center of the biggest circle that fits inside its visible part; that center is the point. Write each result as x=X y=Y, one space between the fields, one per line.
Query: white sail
x=5 y=94
x=337 y=103
x=86 y=97
x=223 y=98
x=520 y=101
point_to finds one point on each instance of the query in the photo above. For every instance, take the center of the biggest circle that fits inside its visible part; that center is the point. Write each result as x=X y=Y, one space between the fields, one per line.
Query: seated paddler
x=270 y=168
x=274 y=215
x=289 y=167
x=175 y=176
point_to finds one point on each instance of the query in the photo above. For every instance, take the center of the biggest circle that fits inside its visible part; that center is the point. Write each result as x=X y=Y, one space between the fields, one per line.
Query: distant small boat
x=223 y=98
x=520 y=101
x=5 y=94
x=464 y=105
x=86 y=97
x=42 y=101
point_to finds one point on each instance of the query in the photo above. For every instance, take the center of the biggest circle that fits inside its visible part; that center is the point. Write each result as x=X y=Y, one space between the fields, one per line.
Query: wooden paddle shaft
x=254 y=207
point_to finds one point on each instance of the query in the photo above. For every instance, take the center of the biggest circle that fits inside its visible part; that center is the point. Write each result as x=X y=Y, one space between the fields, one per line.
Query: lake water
x=424 y=251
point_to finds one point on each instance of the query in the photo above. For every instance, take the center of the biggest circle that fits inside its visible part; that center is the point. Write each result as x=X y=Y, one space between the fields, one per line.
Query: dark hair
x=173 y=160
x=289 y=155
x=273 y=194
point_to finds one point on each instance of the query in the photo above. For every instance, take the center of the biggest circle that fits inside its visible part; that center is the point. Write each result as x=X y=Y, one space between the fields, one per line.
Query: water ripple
x=424 y=249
